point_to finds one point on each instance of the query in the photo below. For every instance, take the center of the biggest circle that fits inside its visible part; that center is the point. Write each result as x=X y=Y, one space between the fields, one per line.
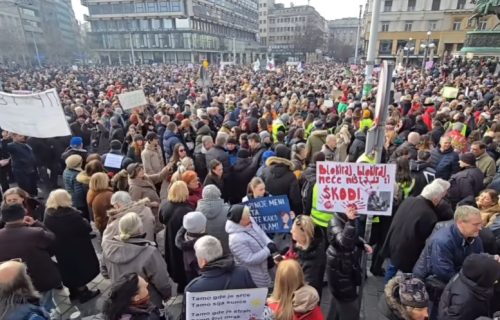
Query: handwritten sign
x=37 y=115
x=132 y=99
x=113 y=161
x=450 y=92
x=241 y=304
x=272 y=214
x=368 y=187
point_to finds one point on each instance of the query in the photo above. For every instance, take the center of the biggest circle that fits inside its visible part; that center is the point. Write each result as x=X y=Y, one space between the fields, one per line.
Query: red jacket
x=314 y=314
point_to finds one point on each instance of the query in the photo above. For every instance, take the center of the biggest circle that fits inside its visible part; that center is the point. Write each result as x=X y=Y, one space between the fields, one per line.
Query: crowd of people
x=185 y=164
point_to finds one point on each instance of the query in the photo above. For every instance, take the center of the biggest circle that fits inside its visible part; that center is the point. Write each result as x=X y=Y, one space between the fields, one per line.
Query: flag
x=256 y=65
x=221 y=69
x=270 y=65
x=300 y=68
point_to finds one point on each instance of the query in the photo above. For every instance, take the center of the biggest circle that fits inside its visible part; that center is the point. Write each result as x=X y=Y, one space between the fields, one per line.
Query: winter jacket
x=215 y=180
x=170 y=139
x=22 y=156
x=140 y=256
x=152 y=159
x=411 y=226
x=31 y=311
x=389 y=303
x=445 y=163
x=343 y=142
x=215 y=210
x=248 y=245
x=237 y=180
x=315 y=142
x=305 y=304
x=331 y=155
x=343 y=268
x=445 y=253
x=194 y=196
x=147 y=312
x=76 y=257
x=308 y=182
x=466 y=183
x=143 y=211
x=35 y=246
x=423 y=174
x=100 y=203
x=357 y=147
x=412 y=152
x=217 y=153
x=280 y=180
x=77 y=190
x=188 y=255
x=487 y=165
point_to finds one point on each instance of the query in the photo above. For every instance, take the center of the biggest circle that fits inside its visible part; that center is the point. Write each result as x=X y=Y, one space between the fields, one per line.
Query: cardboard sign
x=450 y=92
x=241 y=304
x=132 y=99
x=367 y=187
x=37 y=115
x=272 y=214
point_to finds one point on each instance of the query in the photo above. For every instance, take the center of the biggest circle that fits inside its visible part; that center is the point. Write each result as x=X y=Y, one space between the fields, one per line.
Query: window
x=117 y=8
x=151 y=6
x=456 y=25
x=482 y=24
x=385 y=26
x=460 y=4
x=176 y=5
x=182 y=23
x=155 y=24
x=144 y=25
x=408 y=25
x=164 y=6
x=411 y=5
x=139 y=8
x=385 y=46
x=435 y=5
x=433 y=25
x=387 y=5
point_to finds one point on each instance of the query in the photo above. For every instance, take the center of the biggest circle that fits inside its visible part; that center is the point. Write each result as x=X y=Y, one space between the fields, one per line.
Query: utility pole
x=358 y=35
x=372 y=44
x=36 y=50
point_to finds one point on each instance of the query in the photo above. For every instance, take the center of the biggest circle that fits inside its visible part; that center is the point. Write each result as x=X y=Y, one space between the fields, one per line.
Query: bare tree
x=310 y=39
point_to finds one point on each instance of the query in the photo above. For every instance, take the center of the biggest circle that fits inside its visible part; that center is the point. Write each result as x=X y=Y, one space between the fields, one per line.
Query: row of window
x=213 y=14
x=140 y=7
x=288 y=29
x=386 y=46
x=286 y=20
x=432 y=25
x=412 y=4
x=280 y=38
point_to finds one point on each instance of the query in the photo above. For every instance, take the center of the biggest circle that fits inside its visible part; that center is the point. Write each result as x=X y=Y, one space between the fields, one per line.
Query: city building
x=295 y=32
x=407 y=28
x=173 y=31
x=344 y=30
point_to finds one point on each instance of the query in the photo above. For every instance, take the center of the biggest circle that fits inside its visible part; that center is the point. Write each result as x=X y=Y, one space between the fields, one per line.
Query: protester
x=75 y=188
x=468 y=182
x=193 y=183
x=484 y=162
x=215 y=175
x=444 y=160
x=99 y=199
x=33 y=207
x=152 y=157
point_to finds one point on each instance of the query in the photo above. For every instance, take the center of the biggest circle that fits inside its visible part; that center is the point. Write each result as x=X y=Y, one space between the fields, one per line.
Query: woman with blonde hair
x=99 y=199
x=292 y=298
x=256 y=189
x=76 y=257
x=171 y=215
x=33 y=207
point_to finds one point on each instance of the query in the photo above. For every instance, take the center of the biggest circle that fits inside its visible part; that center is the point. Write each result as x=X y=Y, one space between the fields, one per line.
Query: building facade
x=344 y=30
x=407 y=27
x=173 y=31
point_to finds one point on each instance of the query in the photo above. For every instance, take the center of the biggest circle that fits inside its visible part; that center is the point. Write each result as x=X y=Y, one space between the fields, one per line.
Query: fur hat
x=412 y=292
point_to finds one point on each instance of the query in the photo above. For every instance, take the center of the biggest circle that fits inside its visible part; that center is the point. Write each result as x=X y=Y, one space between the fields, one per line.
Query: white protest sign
x=74 y=67
x=132 y=99
x=367 y=187
x=37 y=115
x=113 y=161
x=241 y=304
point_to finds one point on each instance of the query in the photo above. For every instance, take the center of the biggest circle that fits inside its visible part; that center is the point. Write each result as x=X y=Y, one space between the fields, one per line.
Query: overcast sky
x=330 y=9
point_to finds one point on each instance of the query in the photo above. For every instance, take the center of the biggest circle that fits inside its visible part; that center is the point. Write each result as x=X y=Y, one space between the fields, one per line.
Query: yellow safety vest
x=366 y=159
x=365 y=123
x=464 y=130
x=320 y=218
x=407 y=188
x=309 y=129
x=277 y=125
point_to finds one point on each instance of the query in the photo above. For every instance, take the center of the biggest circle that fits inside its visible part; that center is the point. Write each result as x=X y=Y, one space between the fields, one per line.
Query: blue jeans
x=49 y=304
x=390 y=272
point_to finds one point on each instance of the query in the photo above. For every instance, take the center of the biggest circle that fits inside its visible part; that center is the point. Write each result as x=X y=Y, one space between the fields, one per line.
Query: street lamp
x=408 y=48
x=427 y=45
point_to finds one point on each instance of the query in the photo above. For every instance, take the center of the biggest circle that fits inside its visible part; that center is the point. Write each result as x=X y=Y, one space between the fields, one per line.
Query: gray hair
x=435 y=189
x=130 y=225
x=208 y=248
x=221 y=139
x=463 y=213
x=17 y=292
x=414 y=138
x=206 y=139
x=121 y=197
x=330 y=137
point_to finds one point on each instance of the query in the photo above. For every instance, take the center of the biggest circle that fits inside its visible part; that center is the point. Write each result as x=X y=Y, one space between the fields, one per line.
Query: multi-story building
x=410 y=24
x=344 y=30
x=295 y=31
x=12 y=44
x=173 y=31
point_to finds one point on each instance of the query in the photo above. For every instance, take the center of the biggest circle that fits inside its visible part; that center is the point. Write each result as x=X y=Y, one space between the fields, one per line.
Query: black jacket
x=412 y=151
x=308 y=182
x=237 y=180
x=357 y=147
x=76 y=257
x=280 y=180
x=445 y=163
x=466 y=183
x=22 y=156
x=423 y=174
x=343 y=258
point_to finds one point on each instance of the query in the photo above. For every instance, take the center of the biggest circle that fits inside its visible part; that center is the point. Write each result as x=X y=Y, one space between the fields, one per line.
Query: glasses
x=182 y=150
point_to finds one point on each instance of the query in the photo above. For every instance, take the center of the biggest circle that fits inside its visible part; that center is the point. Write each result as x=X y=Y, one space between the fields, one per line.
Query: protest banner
x=132 y=99
x=337 y=94
x=450 y=92
x=272 y=214
x=241 y=304
x=429 y=65
x=37 y=115
x=367 y=187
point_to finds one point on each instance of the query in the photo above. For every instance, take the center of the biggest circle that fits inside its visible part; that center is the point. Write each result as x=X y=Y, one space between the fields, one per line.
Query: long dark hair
x=403 y=171
x=120 y=296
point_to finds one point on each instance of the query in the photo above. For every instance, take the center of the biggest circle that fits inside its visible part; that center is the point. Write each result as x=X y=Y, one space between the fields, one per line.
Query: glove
x=272 y=247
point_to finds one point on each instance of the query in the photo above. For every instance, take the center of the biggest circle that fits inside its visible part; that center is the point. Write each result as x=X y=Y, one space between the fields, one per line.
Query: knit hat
x=481 y=269
x=76 y=141
x=13 y=212
x=412 y=292
x=282 y=151
x=194 y=222
x=189 y=176
x=115 y=145
x=211 y=192
x=235 y=213
x=243 y=153
x=264 y=134
x=267 y=154
x=74 y=162
x=468 y=158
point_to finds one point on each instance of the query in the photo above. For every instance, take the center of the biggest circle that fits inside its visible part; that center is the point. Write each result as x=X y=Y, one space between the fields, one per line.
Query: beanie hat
x=412 y=292
x=267 y=154
x=482 y=269
x=13 y=212
x=115 y=145
x=74 y=162
x=194 y=222
x=243 y=153
x=282 y=151
x=76 y=141
x=235 y=213
x=468 y=158
x=263 y=135
x=189 y=176
x=211 y=192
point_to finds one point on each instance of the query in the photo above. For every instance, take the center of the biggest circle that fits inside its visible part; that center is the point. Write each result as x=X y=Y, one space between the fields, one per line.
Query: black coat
x=357 y=147
x=236 y=181
x=412 y=151
x=466 y=183
x=423 y=174
x=343 y=268
x=280 y=180
x=213 y=179
x=76 y=257
x=34 y=245
x=411 y=226
x=445 y=163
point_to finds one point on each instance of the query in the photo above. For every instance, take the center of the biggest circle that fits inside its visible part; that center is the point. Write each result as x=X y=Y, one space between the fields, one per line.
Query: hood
x=225 y=263
x=393 y=308
x=305 y=299
x=277 y=161
x=232 y=227
x=319 y=133
x=212 y=208
x=360 y=135
x=136 y=207
x=480 y=293
x=83 y=178
x=241 y=164
x=119 y=252
x=310 y=173
x=418 y=166
x=168 y=134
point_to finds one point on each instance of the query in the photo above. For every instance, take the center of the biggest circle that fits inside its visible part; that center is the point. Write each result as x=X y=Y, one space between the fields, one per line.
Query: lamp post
x=426 y=46
x=407 y=48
